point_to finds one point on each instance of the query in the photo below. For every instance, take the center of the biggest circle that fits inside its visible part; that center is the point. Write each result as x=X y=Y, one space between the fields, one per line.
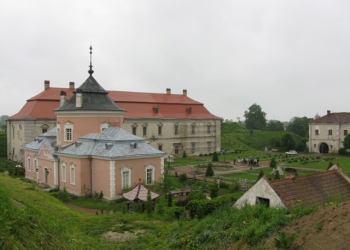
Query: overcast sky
x=290 y=57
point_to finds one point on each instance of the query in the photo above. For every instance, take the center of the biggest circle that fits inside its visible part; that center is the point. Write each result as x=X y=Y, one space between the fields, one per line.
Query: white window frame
x=68 y=125
x=104 y=126
x=28 y=163
x=128 y=170
x=330 y=132
x=64 y=172
x=152 y=168
x=72 y=173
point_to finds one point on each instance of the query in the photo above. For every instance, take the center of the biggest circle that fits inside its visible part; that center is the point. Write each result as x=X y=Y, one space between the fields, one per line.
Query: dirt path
x=84 y=210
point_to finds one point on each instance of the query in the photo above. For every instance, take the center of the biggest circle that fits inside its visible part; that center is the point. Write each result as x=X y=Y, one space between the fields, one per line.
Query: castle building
x=88 y=151
x=173 y=123
x=327 y=133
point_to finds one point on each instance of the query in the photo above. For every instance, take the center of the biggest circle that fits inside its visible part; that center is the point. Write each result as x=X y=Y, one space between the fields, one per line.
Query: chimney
x=79 y=98
x=328 y=112
x=46 y=84
x=184 y=92
x=168 y=91
x=71 y=85
x=63 y=96
x=290 y=173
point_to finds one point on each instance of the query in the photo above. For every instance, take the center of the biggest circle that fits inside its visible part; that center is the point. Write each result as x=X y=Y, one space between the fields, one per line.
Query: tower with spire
x=89 y=110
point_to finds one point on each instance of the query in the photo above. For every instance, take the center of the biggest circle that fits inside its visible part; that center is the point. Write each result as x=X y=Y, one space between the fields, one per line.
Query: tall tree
x=346 y=141
x=275 y=126
x=300 y=126
x=287 y=141
x=255 y=118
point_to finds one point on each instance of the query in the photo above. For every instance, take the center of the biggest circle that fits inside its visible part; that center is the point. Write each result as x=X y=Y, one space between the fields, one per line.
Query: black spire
x=90 y=71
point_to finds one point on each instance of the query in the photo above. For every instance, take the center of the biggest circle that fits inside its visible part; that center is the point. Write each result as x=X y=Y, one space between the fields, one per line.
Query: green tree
x=277 y=175
x=255 y=118
x=183 y=177
x=213 y=190
x=275 y=126
x=148 y=204
x=273 y=163
x=261 y=174
x=215 y=157
x=209 y=171
x=346 y=142
x=300 y=126
x=170 y=199
x=287 y=141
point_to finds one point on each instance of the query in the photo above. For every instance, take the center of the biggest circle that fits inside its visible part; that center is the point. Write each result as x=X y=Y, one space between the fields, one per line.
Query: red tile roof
x=312 y=190
x=333 y=118
x=136 y=104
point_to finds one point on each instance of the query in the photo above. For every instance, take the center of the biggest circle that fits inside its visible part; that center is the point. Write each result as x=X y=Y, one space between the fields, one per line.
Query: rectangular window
x=209 y=146
x=176 y=129
x=193 y=130
x=193 y=147
x=345 y=132
x=149 y=176
x=317 y=132
x=160 y=147
x=44 y=130
x=329 y=132
x=126 y=179
x=68 y=134
x=159 y=130
x=208 y=129
x=144 y=131
x=314 y=145
x=64 y=173
x=72 y=175
x=262 y=201
x=134 y=130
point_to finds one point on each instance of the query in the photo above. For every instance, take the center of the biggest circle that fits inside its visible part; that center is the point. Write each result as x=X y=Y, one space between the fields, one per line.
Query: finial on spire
x=90 y=71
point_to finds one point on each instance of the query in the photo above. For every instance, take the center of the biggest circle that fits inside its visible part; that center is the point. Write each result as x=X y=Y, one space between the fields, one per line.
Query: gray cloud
x=290 y=57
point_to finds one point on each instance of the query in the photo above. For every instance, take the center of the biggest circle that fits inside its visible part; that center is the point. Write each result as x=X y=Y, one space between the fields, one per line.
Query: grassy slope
x=235 y=136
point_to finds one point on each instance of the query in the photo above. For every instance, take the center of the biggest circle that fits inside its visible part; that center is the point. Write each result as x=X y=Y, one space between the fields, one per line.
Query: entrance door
x=46 y=173
x=324 y=148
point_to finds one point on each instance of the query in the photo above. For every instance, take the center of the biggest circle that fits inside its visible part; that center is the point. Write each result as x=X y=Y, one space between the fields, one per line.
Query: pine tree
x=277 y=175
x=148 y=204
x=209 y=171
x=215 y=157
x=273 y=163
x=261 y=174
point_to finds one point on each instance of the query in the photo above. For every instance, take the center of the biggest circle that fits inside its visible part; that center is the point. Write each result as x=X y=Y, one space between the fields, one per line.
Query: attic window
x=262 y=201
x=108 y=145
x=189 y=110
x=156 y=109
x=133 y=145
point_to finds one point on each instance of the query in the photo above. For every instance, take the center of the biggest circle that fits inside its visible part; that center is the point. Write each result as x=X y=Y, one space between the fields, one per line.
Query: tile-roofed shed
x=312 y=190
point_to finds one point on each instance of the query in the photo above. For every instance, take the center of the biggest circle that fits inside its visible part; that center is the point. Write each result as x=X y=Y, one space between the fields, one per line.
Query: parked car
x=291 y=152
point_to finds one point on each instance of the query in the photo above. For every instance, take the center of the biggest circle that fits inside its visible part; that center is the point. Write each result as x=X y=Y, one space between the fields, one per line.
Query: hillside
x=238 y=137
x=326 y=229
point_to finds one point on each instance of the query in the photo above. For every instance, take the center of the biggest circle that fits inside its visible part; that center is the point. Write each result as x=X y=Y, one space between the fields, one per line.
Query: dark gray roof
x=112 y=143
x=48 y=138
x=94 y=98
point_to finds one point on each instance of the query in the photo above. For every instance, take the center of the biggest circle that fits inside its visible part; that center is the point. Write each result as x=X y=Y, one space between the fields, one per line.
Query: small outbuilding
x=309 y=191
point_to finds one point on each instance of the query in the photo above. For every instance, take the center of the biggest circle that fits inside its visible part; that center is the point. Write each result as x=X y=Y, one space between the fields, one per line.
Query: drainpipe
x=90 y=159
x=58 y=174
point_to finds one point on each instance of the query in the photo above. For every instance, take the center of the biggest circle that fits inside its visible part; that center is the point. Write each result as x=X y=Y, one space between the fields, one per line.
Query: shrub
x=342 y=151
x=215 y=157
x=330 y=164
x=214 y=190
x=193 y=195
x=209 y=171
x=100 y=195
x=273 y=163
x=183 y=177
x=175 y=212
x=184 y=155
x=284 y=242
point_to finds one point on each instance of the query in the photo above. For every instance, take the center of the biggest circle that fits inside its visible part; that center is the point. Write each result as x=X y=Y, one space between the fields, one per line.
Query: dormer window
x=156 y=109
x=189 y=110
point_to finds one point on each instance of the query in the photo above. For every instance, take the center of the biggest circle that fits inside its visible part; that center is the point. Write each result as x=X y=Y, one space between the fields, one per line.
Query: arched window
x=68 y=131
x=63 y=171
